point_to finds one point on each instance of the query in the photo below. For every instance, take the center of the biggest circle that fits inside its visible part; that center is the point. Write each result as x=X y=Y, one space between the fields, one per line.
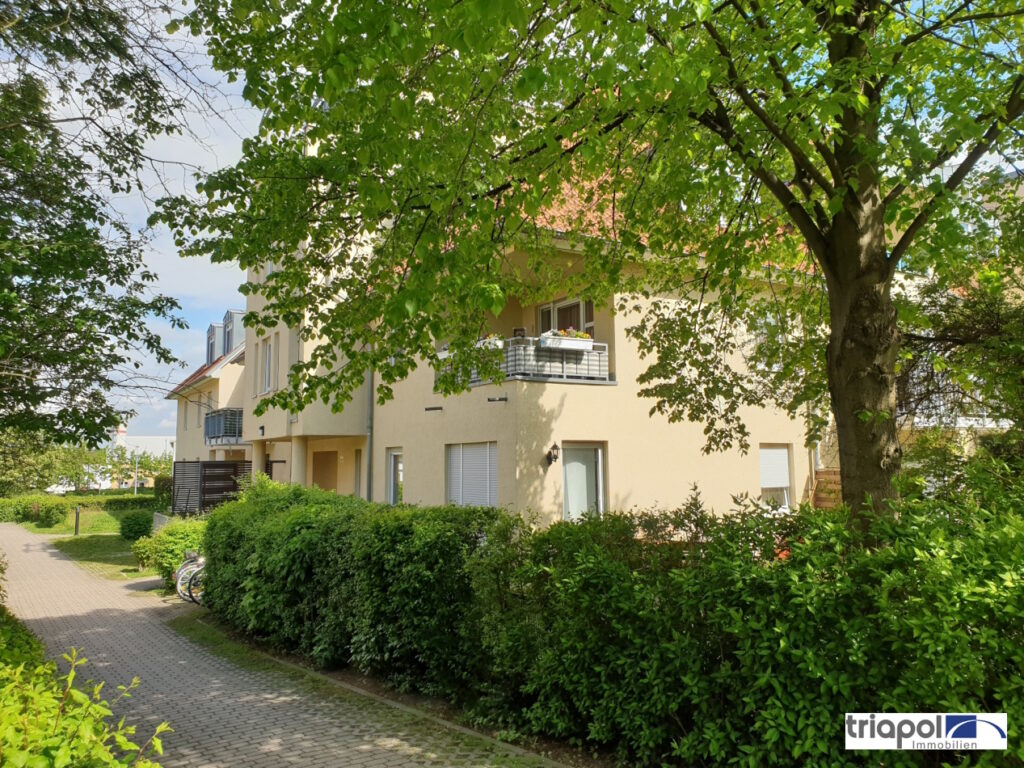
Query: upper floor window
x=576 y=314
x=267 y=366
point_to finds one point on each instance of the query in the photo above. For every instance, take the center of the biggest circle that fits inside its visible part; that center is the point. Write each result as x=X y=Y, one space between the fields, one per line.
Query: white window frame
x=267 y=365
x=553 y=307
x=601 y=454
x=391 y=454
x=773 y=489
x=457 y=496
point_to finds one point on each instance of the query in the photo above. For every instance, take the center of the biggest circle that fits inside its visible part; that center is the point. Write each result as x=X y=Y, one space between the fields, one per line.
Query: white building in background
x=155 y=445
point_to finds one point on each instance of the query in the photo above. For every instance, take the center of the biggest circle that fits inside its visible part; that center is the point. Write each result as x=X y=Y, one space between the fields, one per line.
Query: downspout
x=369 y=433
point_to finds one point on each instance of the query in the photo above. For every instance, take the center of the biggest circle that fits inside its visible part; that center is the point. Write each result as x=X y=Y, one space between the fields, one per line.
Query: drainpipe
x=369 y=433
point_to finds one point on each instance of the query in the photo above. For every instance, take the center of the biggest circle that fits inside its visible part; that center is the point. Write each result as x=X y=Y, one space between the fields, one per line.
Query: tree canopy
x=82 y=91
x=783 y=159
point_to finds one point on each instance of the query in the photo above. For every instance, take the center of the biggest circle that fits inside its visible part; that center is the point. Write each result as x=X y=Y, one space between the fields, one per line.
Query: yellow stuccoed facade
x=639 y=460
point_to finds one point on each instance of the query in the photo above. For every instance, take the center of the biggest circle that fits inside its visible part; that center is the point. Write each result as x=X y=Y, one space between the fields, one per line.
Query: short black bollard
x=77 y=509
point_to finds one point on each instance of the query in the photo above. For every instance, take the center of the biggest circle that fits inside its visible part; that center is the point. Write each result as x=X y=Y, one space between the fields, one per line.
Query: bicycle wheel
x=184 y=574
x=195 y=586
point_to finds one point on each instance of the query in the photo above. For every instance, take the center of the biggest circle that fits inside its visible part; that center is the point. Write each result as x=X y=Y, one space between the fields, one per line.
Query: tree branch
x=800 y=159
x=1014 y=109
x=720 y=124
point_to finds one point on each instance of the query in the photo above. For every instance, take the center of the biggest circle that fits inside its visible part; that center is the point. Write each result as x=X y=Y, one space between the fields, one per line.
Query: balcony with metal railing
x=552 y=359
x=223 y=427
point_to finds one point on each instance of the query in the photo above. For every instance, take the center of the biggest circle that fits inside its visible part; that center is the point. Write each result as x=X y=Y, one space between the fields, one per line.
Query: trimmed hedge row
x=49 y=721
x=40 y=508
x=673 y=639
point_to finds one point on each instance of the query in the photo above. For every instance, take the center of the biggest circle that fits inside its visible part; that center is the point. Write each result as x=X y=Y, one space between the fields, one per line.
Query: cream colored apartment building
x=565 y=431
x=211 y=399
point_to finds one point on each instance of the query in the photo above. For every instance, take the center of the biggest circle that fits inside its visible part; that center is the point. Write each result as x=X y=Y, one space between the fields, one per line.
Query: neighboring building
x=566 y=432
x=211 y=400
x=155 y=445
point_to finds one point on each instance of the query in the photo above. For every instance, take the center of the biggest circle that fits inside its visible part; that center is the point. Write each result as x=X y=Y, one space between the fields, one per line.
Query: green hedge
x=41 y=508
x=135 y=525
x=165 y=550
x=103 y=492
x=49 y=721
x=126 y=502
x=672 y=639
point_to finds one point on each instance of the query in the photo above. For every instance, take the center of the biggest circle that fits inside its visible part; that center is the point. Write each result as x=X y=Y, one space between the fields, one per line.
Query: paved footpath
x=222 y=714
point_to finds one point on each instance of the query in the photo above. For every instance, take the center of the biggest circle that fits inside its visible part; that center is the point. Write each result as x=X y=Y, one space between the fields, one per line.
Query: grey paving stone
x=223 y=716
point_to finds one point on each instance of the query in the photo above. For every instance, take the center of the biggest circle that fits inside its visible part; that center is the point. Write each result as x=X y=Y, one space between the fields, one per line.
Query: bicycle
x=193 y=564
x=195 y=585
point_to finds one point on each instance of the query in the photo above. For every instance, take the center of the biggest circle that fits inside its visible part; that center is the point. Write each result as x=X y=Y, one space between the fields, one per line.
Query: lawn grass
x=104 y=554
x=92 y=520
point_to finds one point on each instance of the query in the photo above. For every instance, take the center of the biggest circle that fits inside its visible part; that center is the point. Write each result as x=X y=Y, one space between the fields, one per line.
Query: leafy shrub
x=676 y=638
x=135 y=525
x=163 y=489
x=165 y=550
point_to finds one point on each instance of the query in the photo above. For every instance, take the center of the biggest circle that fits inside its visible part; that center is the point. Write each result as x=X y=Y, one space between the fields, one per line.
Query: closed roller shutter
x=472 y=474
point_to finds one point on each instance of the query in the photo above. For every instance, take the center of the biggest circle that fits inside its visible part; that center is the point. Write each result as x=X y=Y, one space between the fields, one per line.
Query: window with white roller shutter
x=472 y=474
x=776 y=480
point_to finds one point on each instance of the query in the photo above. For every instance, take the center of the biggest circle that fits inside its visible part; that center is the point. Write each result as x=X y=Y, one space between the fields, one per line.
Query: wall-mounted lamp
x=434 y=408
x=553 y=454
x=261 y=431
x=502 y=399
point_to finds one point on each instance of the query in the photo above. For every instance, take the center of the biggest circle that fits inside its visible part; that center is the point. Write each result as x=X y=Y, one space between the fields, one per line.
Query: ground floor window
x=357 y=485
x=776 y=479
x=472 y=474
x=395 y=475
x=582 y=479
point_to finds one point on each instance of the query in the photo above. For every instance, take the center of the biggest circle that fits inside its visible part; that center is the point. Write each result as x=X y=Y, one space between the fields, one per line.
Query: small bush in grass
x=165 y=550
x=135 y=525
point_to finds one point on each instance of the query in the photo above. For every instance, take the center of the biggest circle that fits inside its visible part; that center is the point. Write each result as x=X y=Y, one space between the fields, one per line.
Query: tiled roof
x=204 y=371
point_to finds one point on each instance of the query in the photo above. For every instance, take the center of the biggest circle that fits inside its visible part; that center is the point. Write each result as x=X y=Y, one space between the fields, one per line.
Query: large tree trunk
x=862 y=355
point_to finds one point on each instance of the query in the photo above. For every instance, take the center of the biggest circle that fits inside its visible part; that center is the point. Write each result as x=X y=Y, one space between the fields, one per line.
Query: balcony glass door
x=583 y=479
x=563 y=315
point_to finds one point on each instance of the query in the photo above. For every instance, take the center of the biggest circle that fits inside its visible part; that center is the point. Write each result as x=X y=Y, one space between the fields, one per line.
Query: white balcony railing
x=528 y=359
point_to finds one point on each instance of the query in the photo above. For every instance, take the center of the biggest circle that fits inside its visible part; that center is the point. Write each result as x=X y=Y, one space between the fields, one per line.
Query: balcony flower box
x=491 y=342
x=572 y=343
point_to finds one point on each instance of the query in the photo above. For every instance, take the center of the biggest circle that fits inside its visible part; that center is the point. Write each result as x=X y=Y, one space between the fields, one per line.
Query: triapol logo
x=925 y=730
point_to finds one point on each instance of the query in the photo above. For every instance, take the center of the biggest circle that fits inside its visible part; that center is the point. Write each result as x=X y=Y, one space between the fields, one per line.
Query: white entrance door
x=583 y=479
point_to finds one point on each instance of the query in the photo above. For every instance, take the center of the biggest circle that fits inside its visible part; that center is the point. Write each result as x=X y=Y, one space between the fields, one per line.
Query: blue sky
x=204 y=290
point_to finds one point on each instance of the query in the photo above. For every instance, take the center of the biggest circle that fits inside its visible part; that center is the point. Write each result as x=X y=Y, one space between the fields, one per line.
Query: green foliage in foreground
x=165 y=550
x=677 y=638
x=50 y=722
